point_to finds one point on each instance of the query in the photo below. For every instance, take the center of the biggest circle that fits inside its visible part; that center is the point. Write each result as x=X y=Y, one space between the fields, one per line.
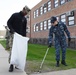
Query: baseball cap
x=53 y=19
x=27 y=9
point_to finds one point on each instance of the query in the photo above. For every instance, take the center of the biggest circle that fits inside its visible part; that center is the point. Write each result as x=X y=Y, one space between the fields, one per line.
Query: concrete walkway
x=4 y=65
x=63 y=72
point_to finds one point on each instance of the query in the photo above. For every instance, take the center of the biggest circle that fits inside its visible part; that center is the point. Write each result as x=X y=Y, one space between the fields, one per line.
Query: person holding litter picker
x=58 y=29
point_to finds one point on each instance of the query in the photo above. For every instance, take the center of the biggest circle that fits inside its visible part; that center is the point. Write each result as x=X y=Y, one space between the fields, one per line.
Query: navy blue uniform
x=60 y=39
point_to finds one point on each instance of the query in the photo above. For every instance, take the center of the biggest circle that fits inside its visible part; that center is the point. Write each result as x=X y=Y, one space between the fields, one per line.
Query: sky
x=8 y=7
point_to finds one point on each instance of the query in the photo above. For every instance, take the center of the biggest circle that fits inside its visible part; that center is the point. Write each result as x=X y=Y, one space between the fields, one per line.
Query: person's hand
x=69 y=39
x=50 y=44
x=12 y=31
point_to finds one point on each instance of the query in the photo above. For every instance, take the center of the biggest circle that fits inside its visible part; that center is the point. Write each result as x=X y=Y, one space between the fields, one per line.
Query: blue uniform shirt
x=59 y=32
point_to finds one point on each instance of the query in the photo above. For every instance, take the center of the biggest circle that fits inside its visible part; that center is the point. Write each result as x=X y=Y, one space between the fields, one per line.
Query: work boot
x=63 y=62
x=11 y=68
x=57 y=64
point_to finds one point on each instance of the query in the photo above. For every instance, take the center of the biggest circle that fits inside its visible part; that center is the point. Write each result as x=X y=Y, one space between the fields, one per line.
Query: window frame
x=56 y=4
x=71 y=20
x=63 y=18
x=49 y=23
x=45 y=25
x=41 y=27
x=49 y=5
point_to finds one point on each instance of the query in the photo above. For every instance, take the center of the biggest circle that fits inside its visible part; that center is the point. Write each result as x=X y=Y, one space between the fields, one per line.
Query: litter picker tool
x=43 y=59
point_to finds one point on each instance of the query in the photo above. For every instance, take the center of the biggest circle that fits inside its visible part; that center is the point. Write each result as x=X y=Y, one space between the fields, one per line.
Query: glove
x=69 y=39
x=12 y=31
x=50 y=44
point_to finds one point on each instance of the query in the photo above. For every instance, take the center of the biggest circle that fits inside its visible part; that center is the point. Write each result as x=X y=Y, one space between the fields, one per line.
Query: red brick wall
x=61 y=9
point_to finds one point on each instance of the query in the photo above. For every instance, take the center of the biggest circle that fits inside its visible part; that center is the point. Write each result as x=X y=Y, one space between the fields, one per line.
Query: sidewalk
x=4 y=65
x=63 y=72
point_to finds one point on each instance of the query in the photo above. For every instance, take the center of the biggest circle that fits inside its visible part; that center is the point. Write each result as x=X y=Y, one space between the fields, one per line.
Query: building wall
x=61 y=9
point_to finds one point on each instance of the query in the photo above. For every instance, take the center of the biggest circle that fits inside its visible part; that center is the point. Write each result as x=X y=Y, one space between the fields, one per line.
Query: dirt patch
x=34 y=67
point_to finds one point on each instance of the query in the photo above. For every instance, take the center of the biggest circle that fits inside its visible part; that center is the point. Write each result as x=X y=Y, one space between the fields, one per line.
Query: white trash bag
x=19 y=51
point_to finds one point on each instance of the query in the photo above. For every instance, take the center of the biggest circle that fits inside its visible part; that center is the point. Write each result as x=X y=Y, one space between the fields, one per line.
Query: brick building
x=39 y=19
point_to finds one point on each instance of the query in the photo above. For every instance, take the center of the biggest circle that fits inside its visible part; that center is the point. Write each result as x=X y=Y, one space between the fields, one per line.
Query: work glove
x=69 y=39
x=50 y=44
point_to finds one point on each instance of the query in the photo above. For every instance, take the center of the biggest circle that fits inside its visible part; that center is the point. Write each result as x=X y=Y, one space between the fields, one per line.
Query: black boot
x=57 y=64
x=63 y=62
x=11 y=68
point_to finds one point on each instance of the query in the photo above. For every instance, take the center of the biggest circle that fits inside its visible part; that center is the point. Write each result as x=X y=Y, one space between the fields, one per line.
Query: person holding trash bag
x=58 y=29
x=17 y=24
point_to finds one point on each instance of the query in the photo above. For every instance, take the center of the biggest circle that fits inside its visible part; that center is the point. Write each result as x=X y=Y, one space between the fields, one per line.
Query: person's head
x=25 y=10
x=54 y=20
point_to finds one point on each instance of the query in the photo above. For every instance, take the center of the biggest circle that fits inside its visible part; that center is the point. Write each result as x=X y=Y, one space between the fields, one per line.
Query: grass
x=36 y=53
x=3 y=42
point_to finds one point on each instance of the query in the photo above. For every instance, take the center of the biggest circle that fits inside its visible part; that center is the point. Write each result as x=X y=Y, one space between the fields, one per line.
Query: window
x=49 y=5
x=49 y=24
x=41 y=10
x=45 y=8
x=62 y=1
x=28 y=18
x=37 y=13
x=34 y=28
x=63 y=18
x=56 y=2
x=37 y=27
x=57 y=18
x=71 y=20
x=34 y=14
x=41 y=26
x=45 y=25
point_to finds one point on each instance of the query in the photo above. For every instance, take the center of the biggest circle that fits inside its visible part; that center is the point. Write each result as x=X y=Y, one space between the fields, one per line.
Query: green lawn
x=3 y=42
x=36 y=53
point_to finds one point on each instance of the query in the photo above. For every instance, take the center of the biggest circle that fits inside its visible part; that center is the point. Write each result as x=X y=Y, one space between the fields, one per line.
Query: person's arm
x=25 y=26
x=10 y=23
x=50 y=36
x=67 y=32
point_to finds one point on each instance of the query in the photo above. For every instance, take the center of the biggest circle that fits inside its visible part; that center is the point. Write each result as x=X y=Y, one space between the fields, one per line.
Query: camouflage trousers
x=7 y=44
x=60 y=46
x=10 y=44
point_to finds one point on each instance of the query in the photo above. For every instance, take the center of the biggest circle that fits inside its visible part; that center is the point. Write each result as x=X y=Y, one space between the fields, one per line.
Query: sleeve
x=24 y=26
x=67 y=31
x=50 y=35
x=10 y=22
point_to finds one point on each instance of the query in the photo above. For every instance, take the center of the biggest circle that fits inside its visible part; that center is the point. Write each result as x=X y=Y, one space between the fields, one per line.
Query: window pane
x=34 y=28
x=45 y=9
x=62 y=1
x=71 y=18
x=71 y=23
x=45 y=25
x=49 y=24
x=41 y=26
x=41 y=10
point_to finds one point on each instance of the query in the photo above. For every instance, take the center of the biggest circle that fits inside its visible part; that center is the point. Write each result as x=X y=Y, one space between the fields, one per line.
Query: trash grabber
x=44 y=58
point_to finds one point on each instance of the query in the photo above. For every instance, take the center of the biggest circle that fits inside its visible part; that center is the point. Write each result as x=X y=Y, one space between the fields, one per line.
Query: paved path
x=63 y=72
x=4 y=65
